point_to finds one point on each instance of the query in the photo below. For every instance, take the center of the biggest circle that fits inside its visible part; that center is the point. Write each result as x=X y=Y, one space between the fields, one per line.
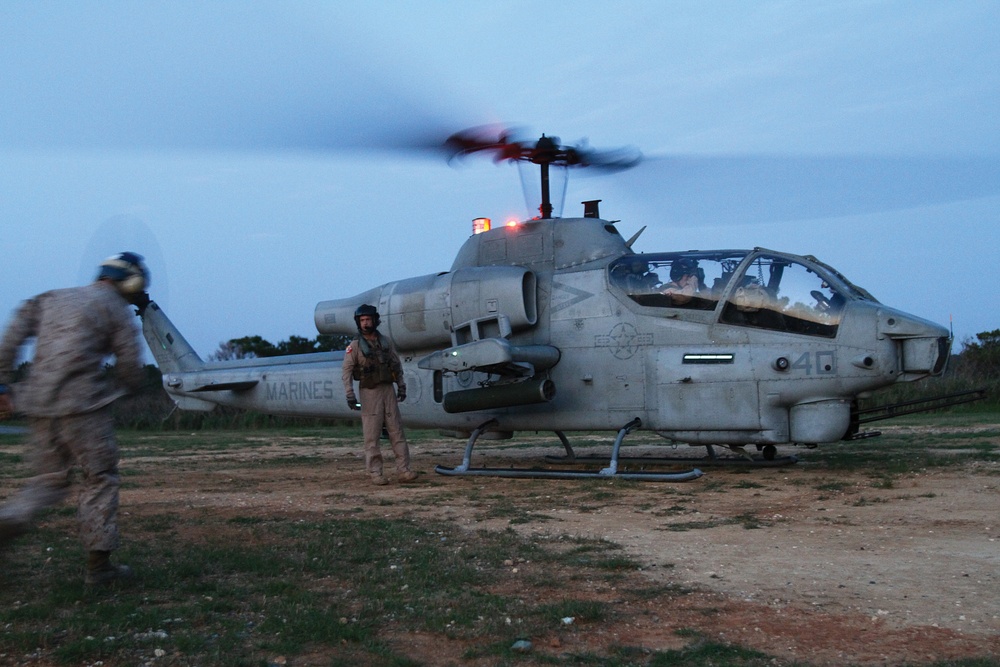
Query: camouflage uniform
x=67 y=398
x=376 y=373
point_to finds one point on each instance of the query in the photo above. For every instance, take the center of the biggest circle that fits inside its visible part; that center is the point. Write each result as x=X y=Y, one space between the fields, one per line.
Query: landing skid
x=769 y=459
x=610 y=472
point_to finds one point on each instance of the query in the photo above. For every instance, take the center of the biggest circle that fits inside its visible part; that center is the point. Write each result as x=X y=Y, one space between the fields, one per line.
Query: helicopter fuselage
x=557 y=325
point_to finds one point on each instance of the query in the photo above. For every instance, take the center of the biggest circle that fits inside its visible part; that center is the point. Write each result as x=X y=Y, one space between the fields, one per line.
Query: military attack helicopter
x=558 y=324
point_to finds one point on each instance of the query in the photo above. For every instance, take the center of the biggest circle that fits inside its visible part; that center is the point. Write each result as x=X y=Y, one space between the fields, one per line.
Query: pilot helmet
x=366 y=309
x=683 y=267
x=127 y=271
x=638 y=265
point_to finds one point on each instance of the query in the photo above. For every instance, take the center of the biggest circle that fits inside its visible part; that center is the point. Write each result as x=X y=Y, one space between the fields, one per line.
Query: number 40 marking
x=825 y=363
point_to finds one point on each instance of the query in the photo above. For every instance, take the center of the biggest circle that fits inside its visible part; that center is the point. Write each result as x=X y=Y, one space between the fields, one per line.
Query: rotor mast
x=545 y=154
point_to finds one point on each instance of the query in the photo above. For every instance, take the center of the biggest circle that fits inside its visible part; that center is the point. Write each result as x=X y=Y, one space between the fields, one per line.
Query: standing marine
x=374 y=364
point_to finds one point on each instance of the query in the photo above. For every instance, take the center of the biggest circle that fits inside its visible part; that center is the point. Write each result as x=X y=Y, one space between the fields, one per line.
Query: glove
x=140 y=301
x=352 y=402
x=401 y=394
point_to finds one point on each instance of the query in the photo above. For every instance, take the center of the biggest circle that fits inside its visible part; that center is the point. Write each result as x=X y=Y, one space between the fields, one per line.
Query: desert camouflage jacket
x=76 y=332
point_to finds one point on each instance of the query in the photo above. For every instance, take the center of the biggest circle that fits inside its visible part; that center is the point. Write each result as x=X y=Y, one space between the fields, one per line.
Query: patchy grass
x=10 y=464
x=250 y=588
x=682 y=526
x=910 y=447
x=241 y=586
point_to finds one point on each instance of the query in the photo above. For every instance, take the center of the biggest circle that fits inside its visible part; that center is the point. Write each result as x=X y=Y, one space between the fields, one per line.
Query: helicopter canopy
x=757 y=289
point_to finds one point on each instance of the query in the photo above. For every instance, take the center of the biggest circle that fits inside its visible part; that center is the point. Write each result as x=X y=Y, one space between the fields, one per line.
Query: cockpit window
x=692 y=280
x=782 y=295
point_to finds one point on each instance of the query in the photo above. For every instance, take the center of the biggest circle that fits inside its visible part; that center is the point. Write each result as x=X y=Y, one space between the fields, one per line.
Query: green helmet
x=369 y=310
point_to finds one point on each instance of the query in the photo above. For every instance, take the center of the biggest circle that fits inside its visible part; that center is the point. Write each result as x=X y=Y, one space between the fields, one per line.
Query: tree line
x=250 y=347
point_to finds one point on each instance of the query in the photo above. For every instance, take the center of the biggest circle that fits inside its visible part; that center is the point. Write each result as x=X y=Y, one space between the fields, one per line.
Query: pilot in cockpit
x=684 y=281
x=832 y=304
x=634 y=276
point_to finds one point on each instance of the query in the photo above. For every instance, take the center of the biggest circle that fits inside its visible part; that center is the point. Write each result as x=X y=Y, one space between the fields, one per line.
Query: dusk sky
x=265 y=156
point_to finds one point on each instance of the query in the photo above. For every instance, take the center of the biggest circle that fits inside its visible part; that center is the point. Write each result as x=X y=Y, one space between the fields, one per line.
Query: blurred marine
x=67 y=399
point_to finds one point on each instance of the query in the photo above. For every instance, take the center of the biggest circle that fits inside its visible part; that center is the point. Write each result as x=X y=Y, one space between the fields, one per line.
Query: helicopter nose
x=924 y=346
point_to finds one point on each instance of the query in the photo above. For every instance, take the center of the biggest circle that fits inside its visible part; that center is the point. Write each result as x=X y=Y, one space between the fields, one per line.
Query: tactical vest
x=374 y=368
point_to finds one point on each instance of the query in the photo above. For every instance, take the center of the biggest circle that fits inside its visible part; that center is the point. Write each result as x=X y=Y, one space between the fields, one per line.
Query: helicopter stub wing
x=200 y=384
x=518 y=365
x=492 y=355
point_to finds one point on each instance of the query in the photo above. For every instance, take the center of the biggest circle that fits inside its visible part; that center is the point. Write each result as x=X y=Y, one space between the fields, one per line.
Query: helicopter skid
x=610 y=472
x=726 y=461
x=684 y=476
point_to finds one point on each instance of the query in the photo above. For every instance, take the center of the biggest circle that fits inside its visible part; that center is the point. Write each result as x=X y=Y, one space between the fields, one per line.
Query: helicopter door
x=628 y=388
x=707 y=389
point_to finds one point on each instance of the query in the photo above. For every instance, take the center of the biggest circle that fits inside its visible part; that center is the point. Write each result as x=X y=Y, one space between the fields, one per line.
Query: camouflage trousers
x=56 y=446
x=379 y=408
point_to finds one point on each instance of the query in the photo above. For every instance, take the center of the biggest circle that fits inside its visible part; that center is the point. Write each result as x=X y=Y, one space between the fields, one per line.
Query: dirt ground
x=804 y=563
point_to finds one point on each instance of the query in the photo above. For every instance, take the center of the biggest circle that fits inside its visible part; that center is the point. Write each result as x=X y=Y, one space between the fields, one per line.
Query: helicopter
x=557 y=324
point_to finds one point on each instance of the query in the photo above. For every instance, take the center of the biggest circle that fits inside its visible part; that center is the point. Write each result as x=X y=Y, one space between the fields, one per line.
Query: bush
x=976 y=366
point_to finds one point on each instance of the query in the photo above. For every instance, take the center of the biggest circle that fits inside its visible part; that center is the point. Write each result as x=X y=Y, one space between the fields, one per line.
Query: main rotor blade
x=128 y=75
x=729 y=189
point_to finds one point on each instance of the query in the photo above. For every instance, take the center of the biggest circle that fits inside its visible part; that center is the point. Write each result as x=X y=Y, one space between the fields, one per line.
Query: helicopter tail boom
x=172 y=352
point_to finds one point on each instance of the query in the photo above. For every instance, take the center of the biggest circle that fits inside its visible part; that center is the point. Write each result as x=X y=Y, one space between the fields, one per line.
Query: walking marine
x=67 y=399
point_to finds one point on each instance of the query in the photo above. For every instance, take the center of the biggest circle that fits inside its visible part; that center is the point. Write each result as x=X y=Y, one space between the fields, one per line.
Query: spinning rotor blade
x=205 y=77
x=508 y=144
x=179 y=76
x=545 y=152
x=730 y=189
x=126 y=233
x=733 y=189
x=505 y=142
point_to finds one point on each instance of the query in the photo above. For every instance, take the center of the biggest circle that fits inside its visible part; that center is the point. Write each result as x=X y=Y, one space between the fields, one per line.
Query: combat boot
x=407 y=476
x=10 y=530
x=379 y=480
x=101 y=571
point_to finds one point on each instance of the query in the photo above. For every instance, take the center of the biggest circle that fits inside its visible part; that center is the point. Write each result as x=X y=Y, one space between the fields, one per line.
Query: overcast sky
x=267 y=156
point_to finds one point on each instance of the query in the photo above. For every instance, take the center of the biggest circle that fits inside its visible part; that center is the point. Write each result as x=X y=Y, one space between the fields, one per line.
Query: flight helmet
x=366 y=309
x=127 y=271
x=683 y=267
